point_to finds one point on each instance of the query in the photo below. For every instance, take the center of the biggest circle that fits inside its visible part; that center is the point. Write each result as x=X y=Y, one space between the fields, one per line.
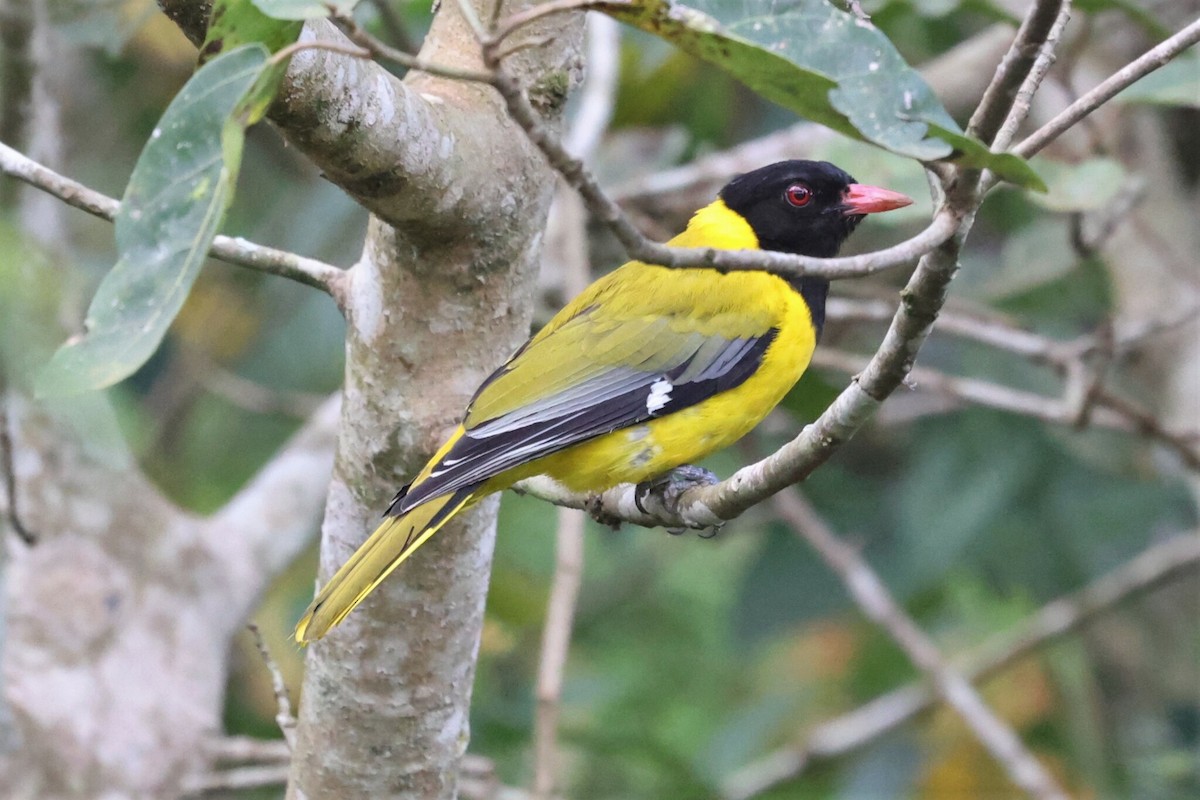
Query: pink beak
x=863 y=199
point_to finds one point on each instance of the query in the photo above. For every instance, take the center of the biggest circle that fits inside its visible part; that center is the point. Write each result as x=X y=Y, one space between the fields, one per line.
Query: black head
x=808 y=208
x=805 y=207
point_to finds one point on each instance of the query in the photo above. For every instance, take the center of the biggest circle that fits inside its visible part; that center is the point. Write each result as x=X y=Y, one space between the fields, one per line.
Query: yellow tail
x=387 y=548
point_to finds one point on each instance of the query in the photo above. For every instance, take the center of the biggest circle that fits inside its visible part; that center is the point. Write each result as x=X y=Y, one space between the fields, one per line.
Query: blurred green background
x=691 y=658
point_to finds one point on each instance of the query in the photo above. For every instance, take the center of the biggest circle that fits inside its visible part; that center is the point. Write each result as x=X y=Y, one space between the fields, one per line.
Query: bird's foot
x=665 y=490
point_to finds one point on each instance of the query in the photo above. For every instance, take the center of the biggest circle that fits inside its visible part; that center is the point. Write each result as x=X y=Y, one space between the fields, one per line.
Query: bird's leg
x=666 y=489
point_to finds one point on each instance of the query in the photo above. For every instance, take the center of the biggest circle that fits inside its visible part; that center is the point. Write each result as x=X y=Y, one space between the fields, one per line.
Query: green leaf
x=304 y=9
x=238 y=22
x=1176 y=84
x=175 y=201
x=825 y=65
x=1087 y=186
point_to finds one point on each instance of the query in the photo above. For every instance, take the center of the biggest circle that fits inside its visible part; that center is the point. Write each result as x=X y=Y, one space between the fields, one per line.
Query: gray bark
x=440 y=297
x=120 y=618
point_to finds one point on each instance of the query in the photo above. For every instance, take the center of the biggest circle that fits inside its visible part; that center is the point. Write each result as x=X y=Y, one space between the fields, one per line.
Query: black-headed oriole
x=650 y=368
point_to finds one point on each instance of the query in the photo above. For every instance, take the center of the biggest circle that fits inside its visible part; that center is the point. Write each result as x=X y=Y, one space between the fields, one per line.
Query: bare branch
x=242 y=749
x=1019 y=108
x=274 y=515
x=238 y=778
x=975 y=391
x=394 y=25
x=257 y=398
x=873 y=598
x=512 y=23
x=238 y=251
x=556 y=640
x=1159 y=564
x=1140 y=67
x=284 y=717
x=18 y=68
x=1104 y=409
x=598 y=94
x=1001 y=95
x=9 y=476
x=606 y=210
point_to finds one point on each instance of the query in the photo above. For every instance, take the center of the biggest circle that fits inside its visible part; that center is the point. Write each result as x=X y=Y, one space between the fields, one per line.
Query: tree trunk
x=442 y=295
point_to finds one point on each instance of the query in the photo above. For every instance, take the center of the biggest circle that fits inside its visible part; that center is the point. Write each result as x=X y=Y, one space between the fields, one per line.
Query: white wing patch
x=660 y=395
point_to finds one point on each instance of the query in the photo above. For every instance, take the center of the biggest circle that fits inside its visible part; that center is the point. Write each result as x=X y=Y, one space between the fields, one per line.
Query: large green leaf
x=826 y=65
x=237 y=22
x=1086 y=186
x=173 y=205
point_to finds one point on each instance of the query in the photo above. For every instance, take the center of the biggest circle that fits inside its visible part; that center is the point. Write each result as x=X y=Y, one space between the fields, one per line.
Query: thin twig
x=598 y=95
x=1043 y=59
x=603 y=208
x=1083 y=393
x=989 y=331
x=556 y=640
x=1159 y=564
x=385 y=52
x=510 y=24
x=1183 y=444
x=18 y=72
x=638 y=247
x=257 y=398
x=283 y=716
x=238 y=251
x=1000 y=97
x=1137 y=69
x=247 y=749
x=394 y=25
x=9 y=476
x=586 y=131
x=236 y=779
x=285 y=54
x=978 y=392
x=873 y=598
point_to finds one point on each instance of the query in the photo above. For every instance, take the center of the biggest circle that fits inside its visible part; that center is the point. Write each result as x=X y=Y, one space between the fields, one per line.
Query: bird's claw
x=669 y=487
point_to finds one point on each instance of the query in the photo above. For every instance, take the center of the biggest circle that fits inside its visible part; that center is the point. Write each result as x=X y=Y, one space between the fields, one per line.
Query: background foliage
x=692 y=658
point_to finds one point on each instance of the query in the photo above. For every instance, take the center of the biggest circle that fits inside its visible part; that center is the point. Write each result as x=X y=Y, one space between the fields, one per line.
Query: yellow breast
x=734 y=304
x=645 y=451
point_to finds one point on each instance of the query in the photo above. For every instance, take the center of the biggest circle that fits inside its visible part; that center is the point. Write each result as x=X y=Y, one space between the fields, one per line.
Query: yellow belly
x=645 y=451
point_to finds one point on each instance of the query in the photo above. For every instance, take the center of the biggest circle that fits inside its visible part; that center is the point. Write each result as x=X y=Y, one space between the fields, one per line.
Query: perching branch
x=873 y=598
x=237 y=251
x=922 y=299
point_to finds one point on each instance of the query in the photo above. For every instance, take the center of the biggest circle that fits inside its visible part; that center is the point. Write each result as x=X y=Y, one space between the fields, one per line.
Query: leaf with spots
x=826 y=65
x=176 y=199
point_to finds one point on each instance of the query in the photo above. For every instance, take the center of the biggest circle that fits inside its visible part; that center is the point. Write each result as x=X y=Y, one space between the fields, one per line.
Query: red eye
x=798 y=195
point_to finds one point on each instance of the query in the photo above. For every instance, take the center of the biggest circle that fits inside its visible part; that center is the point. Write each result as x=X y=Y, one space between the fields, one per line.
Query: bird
x=648 y=369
